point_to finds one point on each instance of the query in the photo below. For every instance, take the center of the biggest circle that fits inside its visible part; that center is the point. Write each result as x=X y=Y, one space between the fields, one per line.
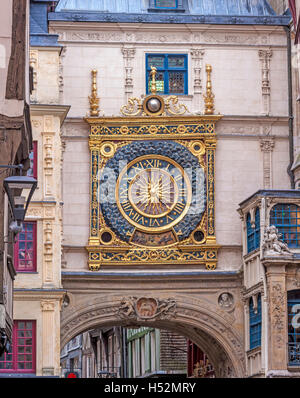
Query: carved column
x=128 y=55
x=49 y=334
x=267 y=146
x=277 y=331
x=265 y=58
x=197 y=58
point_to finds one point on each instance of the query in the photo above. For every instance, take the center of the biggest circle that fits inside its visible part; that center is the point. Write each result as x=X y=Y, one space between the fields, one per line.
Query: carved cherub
x=127 y=307
x=272 y=242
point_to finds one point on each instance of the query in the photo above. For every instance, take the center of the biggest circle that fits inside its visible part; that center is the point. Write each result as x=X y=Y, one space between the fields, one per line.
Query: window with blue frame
x=255 y=323
x=293 y=329
x=253 y=234
x=286 y=218
x=166 y=3
x=172 y=73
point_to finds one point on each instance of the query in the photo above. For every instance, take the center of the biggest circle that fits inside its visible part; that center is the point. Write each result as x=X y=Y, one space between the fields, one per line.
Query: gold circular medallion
x=153 y=193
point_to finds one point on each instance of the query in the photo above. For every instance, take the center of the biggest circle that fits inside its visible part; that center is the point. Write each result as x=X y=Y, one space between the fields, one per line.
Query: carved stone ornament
x=146 y=308
x=226 y=301
x=272 y=245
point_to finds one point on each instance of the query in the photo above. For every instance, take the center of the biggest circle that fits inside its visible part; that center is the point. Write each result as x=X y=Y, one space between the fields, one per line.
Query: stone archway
x=206 y=325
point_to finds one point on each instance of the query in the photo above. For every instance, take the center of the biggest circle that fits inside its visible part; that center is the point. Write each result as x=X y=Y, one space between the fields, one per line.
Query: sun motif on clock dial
x=153 y=193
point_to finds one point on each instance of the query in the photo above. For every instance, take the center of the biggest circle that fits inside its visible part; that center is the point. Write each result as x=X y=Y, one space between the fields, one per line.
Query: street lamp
x=19 y=190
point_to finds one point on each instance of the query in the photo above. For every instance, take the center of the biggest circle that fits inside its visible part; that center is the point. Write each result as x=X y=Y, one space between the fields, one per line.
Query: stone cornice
x=37 y=294
x=138 y=34
x=54 y=110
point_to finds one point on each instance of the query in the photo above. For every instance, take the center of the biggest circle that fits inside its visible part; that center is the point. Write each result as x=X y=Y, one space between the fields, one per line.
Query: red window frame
x=22 y=353
x=32 y=171
x=25 y=248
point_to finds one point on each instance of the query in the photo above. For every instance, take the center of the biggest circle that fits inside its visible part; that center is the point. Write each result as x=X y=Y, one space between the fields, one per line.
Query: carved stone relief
x=271 y=244
x=226 y=301
x=145 y=308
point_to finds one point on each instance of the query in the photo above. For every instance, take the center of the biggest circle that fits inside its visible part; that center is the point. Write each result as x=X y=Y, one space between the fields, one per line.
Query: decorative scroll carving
x=271 y=245
x=146 y=308
x=267 y=145
x=132 y=108
x=172 y=107
x=265 y=57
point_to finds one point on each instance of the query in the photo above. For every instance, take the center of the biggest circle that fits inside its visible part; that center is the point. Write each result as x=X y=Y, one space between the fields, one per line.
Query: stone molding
x=232 y=36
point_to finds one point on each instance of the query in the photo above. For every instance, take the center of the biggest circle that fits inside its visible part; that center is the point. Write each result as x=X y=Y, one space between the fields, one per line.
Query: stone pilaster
x=197 y=59
x=128 y=55
x=265 y=58
x=277 y=331
x=48 y=337
x=267 y=146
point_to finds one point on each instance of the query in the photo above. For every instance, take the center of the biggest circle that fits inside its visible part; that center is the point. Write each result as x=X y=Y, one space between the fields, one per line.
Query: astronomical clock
x=153 y=184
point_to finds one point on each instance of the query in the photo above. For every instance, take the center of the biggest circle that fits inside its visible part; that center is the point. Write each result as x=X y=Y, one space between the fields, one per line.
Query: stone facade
x=209 y=307
x=39 y=295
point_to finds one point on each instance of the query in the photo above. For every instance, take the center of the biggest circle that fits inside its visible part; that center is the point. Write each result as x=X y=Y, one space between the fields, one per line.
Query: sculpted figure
x=272 y=243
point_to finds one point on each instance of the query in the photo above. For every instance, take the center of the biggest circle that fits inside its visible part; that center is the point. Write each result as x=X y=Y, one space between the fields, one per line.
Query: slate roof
x=195 y=7
x=222 y=12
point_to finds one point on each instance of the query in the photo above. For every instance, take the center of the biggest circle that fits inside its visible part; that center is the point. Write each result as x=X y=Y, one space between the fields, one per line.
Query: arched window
x=253 y=234
x=286 y=217
x=255 y=323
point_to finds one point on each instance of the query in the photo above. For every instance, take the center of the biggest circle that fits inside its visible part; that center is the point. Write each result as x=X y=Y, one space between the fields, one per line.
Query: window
x=171 y=77
x=253 y=234
x=255 y=323
x=25 y=248
x=293 y=329
x=165 y=3
x=32 y=171
x=286 y=218
x=21 y=356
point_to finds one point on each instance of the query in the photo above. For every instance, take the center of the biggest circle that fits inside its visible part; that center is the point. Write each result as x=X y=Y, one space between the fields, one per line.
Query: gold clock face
x=153 y=193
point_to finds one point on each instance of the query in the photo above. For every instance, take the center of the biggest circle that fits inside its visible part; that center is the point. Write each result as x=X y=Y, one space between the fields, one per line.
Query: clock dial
x=153 y=193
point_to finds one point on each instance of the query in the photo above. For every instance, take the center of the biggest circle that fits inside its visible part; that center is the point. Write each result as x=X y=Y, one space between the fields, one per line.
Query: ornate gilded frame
x=197 y=133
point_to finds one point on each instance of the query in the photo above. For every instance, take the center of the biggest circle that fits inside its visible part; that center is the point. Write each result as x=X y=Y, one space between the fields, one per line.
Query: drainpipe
x=291 y=116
